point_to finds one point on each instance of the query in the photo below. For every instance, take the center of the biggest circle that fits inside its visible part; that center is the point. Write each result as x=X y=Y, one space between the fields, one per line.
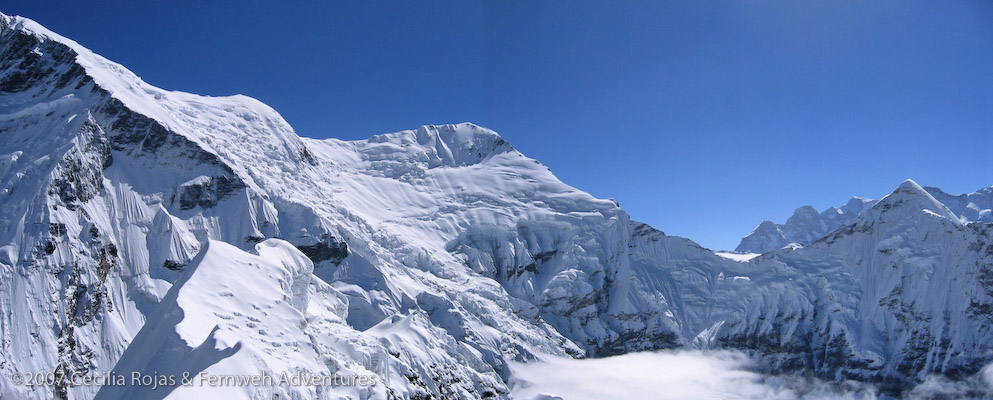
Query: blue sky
x=700 y=118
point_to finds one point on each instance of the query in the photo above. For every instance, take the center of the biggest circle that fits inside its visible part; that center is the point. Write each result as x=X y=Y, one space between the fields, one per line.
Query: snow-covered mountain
x=807 y=225
x=804 y=226
x=168 y=233
x=975 y=206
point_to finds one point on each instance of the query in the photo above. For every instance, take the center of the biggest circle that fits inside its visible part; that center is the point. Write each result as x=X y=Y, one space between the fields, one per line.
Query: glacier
x=165 y=232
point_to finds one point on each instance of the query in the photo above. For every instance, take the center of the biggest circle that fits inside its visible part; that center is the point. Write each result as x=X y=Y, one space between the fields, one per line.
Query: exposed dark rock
x=327 y=249
x=254 y=239
x=628 y=342
x=307 y=157
x=79 y=177
x=112 y=250
x=57 y=229
x=108 y=256
x=49 y=247
x=133 y=132
x=207 y=194
x=173 y=265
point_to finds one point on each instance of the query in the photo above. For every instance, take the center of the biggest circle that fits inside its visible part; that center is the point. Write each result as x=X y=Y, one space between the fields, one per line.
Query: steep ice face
x=123 y=203
x=915 y=282
x=896 y=294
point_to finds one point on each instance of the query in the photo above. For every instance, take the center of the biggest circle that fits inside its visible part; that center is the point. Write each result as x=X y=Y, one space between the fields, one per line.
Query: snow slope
x=149 y=230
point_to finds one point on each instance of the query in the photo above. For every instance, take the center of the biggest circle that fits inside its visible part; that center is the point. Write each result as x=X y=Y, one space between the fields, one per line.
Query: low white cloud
x=937 y=387
x=669 y=375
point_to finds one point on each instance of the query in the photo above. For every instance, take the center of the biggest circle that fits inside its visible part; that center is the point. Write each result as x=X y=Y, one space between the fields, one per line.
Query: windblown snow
x=156 y=232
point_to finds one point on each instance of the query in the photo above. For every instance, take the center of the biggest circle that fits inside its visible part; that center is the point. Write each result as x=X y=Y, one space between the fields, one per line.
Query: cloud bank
x=703 y=375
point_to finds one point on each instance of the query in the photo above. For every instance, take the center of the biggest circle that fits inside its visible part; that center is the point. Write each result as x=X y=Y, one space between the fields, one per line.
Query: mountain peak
x=452 y=145
x=803 y=214
x=910 y=198
x=465 y=134
x=909 y=184
x=241 y=132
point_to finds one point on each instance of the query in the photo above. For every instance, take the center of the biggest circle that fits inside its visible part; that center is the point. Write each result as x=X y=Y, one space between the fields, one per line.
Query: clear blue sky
x=700 y=118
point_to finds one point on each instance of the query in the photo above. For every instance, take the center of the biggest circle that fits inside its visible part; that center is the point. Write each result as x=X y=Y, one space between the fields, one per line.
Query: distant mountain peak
x=907 y=200
x=804 y=226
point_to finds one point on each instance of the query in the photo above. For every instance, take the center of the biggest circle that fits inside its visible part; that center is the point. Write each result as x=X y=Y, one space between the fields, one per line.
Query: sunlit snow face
x=695 y=375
